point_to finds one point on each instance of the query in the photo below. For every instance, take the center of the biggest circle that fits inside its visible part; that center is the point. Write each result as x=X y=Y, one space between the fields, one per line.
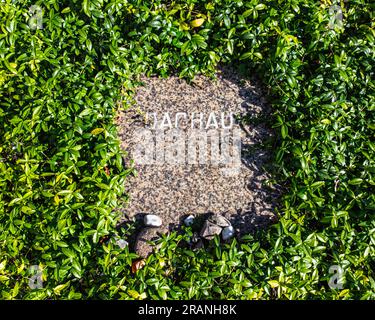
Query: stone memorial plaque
x=196 y=152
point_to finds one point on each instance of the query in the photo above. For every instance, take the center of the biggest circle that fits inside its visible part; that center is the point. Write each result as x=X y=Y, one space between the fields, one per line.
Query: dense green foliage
x=60 y=87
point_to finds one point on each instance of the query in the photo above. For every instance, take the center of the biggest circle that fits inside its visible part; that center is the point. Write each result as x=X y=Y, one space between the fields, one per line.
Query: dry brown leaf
x=137 y=265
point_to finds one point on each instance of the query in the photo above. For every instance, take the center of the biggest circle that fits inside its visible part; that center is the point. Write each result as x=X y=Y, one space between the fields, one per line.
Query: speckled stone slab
x=174 y=190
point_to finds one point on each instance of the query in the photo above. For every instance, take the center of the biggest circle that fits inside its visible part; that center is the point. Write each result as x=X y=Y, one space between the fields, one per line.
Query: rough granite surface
x=174 y=191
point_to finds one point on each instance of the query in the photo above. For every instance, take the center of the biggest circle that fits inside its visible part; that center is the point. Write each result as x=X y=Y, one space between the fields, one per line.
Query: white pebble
x=122 y=243
x=152 y=220
x=227 y=233
x=189 y=220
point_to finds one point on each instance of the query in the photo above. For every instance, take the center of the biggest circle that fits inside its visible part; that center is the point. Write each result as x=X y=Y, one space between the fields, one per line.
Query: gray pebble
x=122 y=243
x=189 y=220
x=219 y=220
x=227 y=233
x=209 y=230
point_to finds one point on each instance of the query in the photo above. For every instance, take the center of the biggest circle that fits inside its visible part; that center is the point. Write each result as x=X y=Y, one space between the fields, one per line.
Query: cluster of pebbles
x=153 y=229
